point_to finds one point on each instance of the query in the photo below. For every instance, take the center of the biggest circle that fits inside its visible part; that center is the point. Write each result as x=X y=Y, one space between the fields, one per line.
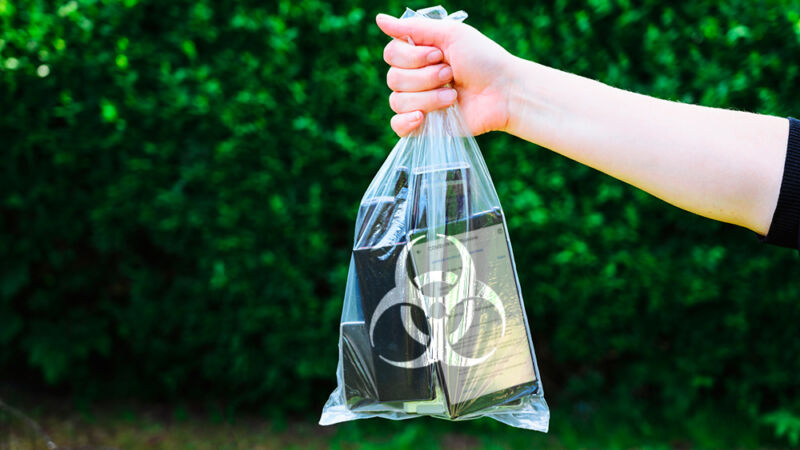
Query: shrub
x=180 y=181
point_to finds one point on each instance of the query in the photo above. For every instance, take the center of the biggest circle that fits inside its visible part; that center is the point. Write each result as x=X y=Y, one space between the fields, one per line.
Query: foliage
x=786 y=425
x=180 y=181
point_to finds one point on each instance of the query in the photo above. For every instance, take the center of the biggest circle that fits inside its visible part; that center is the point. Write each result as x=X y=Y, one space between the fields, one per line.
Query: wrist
x=522 y=96
x=539 y=99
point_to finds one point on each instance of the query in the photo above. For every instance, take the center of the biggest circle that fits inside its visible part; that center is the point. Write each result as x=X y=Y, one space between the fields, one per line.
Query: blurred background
x=178 y=189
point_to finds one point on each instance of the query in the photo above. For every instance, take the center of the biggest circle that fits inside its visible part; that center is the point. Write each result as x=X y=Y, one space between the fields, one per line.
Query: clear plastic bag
x=433 y=322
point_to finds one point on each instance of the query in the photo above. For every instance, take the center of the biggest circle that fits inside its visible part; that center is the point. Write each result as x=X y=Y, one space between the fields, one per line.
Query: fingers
x=401 y=54
x=403 y=124
x=415 y=80
x=403 y=102
x=415 y=74
x=422 y=31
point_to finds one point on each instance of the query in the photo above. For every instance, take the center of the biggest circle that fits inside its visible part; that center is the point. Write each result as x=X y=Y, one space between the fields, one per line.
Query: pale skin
x=722 y=164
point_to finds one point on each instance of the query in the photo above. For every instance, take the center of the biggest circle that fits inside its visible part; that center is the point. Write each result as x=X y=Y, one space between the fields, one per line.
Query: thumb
x=422 y=31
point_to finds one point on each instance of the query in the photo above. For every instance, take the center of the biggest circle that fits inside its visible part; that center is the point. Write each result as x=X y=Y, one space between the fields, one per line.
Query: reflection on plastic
x=433 y=321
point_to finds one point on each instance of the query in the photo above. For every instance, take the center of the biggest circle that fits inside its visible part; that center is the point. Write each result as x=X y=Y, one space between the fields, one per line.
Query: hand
x=444 y=52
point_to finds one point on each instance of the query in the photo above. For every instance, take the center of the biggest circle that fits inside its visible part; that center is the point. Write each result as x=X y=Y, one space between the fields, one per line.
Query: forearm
x=722 y=164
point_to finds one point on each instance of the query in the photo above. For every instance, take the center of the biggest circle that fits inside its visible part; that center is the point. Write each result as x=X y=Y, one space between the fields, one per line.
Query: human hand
x=444 y=52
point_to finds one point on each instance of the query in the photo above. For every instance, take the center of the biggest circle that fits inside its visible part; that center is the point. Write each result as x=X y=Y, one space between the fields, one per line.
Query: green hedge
x=179 y=183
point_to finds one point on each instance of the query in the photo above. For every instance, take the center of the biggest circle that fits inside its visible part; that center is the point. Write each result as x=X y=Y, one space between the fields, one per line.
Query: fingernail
x=445 y=73
x=417 y=116
x=434 y=56
x=447 y=95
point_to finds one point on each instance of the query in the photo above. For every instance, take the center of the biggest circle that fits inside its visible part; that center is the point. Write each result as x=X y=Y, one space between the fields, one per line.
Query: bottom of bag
x=529 y=412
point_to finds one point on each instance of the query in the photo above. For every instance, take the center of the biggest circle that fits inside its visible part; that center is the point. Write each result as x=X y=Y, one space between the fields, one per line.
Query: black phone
x=380 y=259
x=484 y=356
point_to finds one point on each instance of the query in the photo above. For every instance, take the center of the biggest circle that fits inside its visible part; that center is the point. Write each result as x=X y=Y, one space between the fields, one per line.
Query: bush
x=180 y=181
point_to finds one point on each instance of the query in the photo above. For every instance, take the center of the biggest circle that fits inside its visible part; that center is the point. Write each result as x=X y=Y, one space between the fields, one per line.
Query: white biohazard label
x=466 y=287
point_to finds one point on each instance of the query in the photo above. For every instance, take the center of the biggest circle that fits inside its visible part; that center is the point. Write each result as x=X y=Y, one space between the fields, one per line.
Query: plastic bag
x=433 y=322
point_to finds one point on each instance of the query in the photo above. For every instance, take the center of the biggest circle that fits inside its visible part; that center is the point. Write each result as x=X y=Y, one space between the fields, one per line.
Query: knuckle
x=396 y=124
x=387 y=53
x=394 y=102
x=391 y=79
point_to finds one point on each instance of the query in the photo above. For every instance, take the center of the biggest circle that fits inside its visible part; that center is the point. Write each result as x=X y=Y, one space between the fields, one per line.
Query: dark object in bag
x=487 y=361
x=380 y=272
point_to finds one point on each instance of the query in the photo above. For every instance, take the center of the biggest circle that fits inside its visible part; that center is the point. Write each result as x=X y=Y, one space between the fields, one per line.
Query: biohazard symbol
x=459 y=288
